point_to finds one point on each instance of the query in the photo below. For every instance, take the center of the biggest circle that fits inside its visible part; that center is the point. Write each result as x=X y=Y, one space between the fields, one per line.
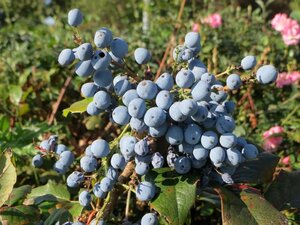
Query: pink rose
x=291 y=33
x=196 y=27
x=213 y=20
x=285 y=79
x=279 y=21
x=271 y=138
x=286 y=160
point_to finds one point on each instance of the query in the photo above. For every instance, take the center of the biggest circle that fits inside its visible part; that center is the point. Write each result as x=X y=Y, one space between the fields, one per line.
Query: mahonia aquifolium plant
x=187 y=108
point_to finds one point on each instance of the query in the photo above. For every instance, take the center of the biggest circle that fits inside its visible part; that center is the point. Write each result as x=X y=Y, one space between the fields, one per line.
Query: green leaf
x=77 y=107
x=8 y=176
x=15 y=94
x=262 y=211
x=283 y=192
x=61 y=215
x=258 y=170
x=20 y=215
x=76 y=209
x=234 y=211
x=249 y=209
x=18 y=194
x=49 y=192
x=176 y=194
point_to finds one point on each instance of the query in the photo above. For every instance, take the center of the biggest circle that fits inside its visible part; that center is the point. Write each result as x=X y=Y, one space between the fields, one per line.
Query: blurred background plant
x=35 y=89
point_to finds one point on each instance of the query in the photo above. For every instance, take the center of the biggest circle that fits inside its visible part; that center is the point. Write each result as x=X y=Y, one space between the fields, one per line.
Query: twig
x=172 y=37
x=59 y=99
x=127 y=204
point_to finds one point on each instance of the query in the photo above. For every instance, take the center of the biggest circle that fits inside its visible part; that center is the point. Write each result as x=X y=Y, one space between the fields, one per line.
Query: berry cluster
x=187 y=108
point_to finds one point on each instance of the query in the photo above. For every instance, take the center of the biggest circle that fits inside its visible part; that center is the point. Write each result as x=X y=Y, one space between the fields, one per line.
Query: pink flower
x=196 y=27
x=279 y=21
x=285 y=79
x=213 y=20
x=286 y=160
x=271 y=138
x=291 y=33
x=272 y=143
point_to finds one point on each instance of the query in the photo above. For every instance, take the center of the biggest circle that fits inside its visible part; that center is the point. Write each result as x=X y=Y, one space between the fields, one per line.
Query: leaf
x=234 y=211
x=258 y=170
x=61 y=215
x=15 y=94
x=283 y=192
x=249 y=209
x=49 y=192
x=176 y=194
x=77 y=107
x=20 y=215
x=76 y=209
x=18 y=194
x=262 y=211
x=8 y=176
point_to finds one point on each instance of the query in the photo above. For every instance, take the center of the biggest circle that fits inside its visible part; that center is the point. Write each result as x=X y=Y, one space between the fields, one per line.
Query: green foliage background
x=31 y=79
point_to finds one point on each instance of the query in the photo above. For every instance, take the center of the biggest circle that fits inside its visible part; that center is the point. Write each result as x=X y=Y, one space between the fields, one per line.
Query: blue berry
x=165 y=81
x=158 y=131
x=100 y=148
x=182 y=165
x=185 y=78
x=67 y=158
x=164 y=99
x=233 y=81
x=60 y=148
x=85 y=198
x=75 y=179
x=117 y=161
x=188 y=107
x=88 y=163
x=103 y=37
x=225 y=124
x=198 y=68
x=208 y=78
x=186 y=148
x=84 y=68
x=209 y=139
x=101 y=60
x=129 y=96
x=138 y=125
x=98 y=191
x=75 y=17
x=229 y=106
x=146 y=89
x=121 y=86
x=175 y=112
x=66 y=57
x=141 y=147
x=250 y=151
x=154 y=117
x=248 y=62
x=102 y=100
x=84 y=51
x=127 y=144
x=137 y=108
x=174 y=135
x=192 y=133
x=112 y=173
x=266 y=74
x=119 y=47
x=192 y=39
x=145 y=191
x=142 y=55
x=60 y=167
x=141 y=168
x=201 y=114
x=92 y=109
x=217 y=93
x=228 y=140
x=157 y=160
x=103 y=78
x=199 y=152
x=106 y=184
x=149 y=219
x=120 y=115
x=217 y=155
x=200 y=91
x=37 y=161
x=234 y=157
x=88 y=89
